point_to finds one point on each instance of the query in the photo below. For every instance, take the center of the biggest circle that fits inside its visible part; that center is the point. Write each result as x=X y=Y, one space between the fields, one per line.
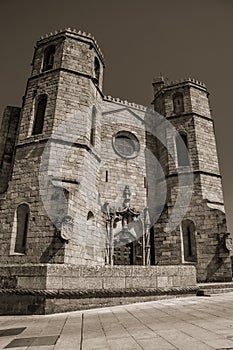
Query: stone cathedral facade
x=87 y=180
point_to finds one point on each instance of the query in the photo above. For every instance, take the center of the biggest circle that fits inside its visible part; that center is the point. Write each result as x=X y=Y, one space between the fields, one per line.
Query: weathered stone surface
x=114 y=282
x=63 y=277
x=8 y=134
x=93 y=172
x=31 y=282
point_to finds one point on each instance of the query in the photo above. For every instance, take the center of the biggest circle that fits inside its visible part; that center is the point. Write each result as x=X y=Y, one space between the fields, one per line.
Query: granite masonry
x=101 y=198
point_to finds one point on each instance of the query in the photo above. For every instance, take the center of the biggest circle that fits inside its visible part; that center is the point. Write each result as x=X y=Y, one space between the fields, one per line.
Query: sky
x=140 y=39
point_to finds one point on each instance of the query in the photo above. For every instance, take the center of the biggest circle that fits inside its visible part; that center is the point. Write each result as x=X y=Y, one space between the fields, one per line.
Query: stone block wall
x=8 y=135
x=70 y=277
x=42 y=289
x=45 y=84
x=213 y=260
x=42 y=245
x=120 y=277
x=122 y=171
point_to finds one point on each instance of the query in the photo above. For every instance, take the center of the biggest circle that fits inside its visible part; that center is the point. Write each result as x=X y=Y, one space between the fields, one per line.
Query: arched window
x=93 y=126
x=178 y=103
x=22 y=219
x=189 y=240
x=39 y=114
x=97 y=70
x=48 y=61
x=182 y=150
x=90 y=216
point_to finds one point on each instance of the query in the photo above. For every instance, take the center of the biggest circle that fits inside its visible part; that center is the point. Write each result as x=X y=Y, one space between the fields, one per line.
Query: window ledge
x=15 y=253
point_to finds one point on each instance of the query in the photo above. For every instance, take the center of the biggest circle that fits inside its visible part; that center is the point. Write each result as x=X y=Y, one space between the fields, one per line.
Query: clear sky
x=140 y=39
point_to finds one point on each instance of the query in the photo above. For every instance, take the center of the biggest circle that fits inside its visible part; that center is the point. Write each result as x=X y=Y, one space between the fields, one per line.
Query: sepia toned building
x=97 y=193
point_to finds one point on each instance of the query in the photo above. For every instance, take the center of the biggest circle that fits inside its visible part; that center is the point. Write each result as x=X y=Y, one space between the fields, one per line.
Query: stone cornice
x=60 y=141
x=197 y=172
x=191 y=114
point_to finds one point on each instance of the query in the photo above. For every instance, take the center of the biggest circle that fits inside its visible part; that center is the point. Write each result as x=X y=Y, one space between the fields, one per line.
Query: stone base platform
x=49 y=288
x=214 y=288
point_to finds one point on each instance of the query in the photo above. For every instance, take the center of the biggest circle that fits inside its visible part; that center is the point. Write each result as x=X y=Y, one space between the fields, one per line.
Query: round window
x=126 y=144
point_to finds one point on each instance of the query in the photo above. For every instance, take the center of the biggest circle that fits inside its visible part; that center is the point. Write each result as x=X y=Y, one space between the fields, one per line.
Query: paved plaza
x=192 y=323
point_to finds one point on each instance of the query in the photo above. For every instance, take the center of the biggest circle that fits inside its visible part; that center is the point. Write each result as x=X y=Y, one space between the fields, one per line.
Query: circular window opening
x=126 y=144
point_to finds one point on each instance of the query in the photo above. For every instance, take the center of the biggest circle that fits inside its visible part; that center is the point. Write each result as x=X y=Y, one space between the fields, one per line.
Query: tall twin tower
x=91 y=180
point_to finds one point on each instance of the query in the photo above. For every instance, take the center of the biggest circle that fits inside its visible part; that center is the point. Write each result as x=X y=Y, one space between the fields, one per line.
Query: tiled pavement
x=193 y=323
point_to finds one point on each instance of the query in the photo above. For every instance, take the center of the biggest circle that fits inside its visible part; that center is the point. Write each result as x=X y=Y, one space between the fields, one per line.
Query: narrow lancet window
x=90 y=216
x=39 y=115
x=178 y=103
x=189 y=241
x=22 y=217
x=182 y=150
x=93 y=126
x=97 y=70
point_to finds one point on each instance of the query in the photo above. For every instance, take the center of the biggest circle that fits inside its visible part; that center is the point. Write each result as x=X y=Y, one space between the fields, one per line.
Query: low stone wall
x=119 y=277
x=58 y=276
x=38 y=289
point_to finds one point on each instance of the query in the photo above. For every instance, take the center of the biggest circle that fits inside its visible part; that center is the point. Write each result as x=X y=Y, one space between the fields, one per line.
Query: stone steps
x=206 y=289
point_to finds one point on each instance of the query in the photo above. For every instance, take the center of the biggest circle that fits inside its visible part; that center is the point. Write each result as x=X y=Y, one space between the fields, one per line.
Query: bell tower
x=200 y=238
x=59 y=120
x=67 y=72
